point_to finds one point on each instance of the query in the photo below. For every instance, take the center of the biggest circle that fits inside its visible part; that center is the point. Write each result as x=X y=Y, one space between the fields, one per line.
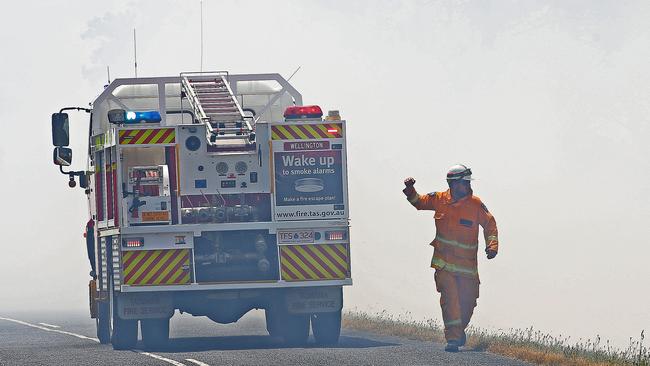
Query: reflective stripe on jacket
x=457 y=222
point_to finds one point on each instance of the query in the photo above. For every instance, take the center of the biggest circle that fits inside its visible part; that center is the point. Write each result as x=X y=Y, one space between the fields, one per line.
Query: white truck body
x=216 y=206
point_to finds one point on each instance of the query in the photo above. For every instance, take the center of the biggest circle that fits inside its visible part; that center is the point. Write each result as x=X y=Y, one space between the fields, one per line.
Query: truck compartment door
x=309 y=162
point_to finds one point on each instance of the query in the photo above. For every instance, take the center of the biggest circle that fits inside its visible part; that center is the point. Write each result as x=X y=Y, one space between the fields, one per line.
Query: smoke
x=547 y=101
x=110 y=38
x=108 y=46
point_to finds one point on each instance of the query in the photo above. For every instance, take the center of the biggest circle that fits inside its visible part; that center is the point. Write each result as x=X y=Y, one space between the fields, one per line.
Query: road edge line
x=161 y=358
x=196 y=362
x=152 y=355
x=50 y=329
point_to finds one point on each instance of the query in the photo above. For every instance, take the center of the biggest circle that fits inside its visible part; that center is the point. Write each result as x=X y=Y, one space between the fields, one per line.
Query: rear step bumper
x=235 y=286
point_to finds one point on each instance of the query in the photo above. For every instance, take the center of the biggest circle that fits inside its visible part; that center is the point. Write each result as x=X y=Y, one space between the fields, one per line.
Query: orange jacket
x=456 y=241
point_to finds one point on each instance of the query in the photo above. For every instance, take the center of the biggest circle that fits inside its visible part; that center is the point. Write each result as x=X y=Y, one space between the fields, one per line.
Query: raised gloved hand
x=490 y=253
x=409 y=182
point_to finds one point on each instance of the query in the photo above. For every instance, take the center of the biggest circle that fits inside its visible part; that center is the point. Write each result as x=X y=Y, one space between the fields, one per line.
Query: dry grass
x=524 y=344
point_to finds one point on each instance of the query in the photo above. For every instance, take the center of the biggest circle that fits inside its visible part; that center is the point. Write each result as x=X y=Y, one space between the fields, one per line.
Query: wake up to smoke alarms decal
x=308 y=178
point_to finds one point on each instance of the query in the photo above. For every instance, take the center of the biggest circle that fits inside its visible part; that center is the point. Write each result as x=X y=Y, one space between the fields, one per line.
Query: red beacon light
x=302 y=112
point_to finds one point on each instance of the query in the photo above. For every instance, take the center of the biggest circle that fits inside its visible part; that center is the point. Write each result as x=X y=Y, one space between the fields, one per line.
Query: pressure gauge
x=241 y=167
x=222 y=168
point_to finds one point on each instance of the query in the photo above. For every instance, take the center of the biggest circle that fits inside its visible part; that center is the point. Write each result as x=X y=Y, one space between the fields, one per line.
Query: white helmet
x=459 y=171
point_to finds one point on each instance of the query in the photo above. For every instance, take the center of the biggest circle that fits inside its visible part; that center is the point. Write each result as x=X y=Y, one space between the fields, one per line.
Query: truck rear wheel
x=295 y=329
x=272 y=322
x=326 y=327
x=125 y=333
x=155 y=332
x=103 y=322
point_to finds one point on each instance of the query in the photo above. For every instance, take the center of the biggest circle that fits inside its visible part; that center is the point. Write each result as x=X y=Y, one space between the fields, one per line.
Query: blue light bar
x=142 y=117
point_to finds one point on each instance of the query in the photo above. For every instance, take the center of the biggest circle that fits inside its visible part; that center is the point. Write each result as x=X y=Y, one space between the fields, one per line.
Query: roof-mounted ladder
x=216 y=106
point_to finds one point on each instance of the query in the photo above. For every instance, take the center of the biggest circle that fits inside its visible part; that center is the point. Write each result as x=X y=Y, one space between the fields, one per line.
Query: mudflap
x=145 y=305
x=92 y=298
x=309 y=300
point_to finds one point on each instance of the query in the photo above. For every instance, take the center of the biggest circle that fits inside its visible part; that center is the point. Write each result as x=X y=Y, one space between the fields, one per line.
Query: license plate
x=144 y=306
x=155 y=216
x=295 y=236
x=314 y=300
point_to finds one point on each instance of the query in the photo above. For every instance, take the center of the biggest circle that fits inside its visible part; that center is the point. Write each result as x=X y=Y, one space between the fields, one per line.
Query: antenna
x=108 y=73
x=135 y=54
x=201 y=69
x=294 y=73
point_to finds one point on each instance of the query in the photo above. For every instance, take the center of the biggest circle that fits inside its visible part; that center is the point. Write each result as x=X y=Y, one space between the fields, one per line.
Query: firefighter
x=458 y=213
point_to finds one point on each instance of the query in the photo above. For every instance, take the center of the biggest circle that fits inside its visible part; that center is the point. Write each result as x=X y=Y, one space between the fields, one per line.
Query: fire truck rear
x=213 y=194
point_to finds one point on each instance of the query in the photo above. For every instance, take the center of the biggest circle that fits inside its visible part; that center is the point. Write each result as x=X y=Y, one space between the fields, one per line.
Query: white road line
x=161 y=358
x=49 y=325
x=196 y=362
x=50 y=329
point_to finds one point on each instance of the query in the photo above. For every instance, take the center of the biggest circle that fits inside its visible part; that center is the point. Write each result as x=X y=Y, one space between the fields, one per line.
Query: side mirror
x=60 y=129
x=62 y=156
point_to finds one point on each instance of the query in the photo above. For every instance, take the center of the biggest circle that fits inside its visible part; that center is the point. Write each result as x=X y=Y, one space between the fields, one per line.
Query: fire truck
x=213 y=194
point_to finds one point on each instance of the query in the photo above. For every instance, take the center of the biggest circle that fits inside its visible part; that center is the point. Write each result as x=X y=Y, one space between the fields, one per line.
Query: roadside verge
x=524 y=344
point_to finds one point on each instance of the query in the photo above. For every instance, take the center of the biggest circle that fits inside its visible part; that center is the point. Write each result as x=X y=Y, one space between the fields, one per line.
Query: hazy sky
x=547 y=101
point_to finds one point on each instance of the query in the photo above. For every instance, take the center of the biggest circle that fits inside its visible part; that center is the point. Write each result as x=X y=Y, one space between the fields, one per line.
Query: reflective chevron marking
x=148 y=136
x=307 y=132
x=156 y=267
x=314 y=262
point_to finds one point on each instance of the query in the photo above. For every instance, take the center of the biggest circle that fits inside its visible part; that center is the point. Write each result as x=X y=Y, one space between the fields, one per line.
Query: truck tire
x=125 y=331
x=295 y=329
x=272 y=322
x=326 y=327
x=103 y=322
x=155 y=332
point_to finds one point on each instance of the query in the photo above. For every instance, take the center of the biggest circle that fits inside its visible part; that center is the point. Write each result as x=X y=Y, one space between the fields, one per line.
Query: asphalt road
x=69 y=339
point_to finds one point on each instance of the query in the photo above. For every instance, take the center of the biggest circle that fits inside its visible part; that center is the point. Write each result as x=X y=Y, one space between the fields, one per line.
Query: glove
x=490 y=253
x=409 y=190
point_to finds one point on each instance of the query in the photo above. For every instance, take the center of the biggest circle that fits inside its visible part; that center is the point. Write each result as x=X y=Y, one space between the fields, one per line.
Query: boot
x=452 y=346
